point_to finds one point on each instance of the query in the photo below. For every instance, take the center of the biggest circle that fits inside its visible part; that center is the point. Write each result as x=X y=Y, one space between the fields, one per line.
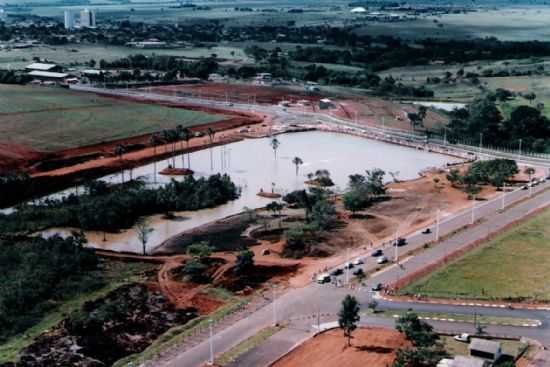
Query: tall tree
x=348 y=316
x=275 y=143
x=143 y=230
x=297 y=161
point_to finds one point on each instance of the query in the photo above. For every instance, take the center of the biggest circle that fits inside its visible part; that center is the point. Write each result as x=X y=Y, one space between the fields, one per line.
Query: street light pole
x=437 y=226
x=274 y=308
x=480 y=144
x=473 y=211
x=347 y=266
x=211 y=344
x=520 y=148
x=503 y=195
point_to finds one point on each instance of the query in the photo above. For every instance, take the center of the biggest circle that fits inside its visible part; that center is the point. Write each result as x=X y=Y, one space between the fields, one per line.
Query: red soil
x=15 y=157
x=372 y=347
x=237 y=92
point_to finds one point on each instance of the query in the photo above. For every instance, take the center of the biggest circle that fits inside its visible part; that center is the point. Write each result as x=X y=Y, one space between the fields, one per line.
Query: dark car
x=427 y=231
x=336 y=272
x=400 y=242
x=376 y=253
x=377 y=287
x=358 y=272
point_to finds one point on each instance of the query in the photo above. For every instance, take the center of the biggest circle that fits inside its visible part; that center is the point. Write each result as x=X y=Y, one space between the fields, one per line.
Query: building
x=47 y=76
x=485 y=349
x=69 y=20
x=325 y=104
x=463 y=361
x=358 y=10
x=38 y=66
x=3 y=15
x=87 y=18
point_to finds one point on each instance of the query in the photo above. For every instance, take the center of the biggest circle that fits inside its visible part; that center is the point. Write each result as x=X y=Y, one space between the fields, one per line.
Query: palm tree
x=297 y=161
x=275 y=145
x=153 y=140
x=211 y=133
x=179 y=135
x=187 y=136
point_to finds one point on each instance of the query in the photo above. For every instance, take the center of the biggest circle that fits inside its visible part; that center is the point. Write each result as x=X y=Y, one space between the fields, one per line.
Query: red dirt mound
x=372 y=347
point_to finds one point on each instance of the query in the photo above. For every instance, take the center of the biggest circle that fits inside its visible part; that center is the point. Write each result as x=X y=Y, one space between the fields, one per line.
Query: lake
x=253 y=166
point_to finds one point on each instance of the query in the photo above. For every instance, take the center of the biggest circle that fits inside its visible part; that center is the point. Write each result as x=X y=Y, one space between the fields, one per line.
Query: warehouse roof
x=47 y=74
x=41 y=66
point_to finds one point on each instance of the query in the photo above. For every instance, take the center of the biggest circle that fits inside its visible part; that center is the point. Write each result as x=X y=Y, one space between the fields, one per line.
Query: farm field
x=53 y=119
x=82 y=54
x=513 y=265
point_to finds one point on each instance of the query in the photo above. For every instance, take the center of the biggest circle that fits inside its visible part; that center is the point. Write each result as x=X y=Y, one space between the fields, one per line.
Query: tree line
x=111 y=208
x=37 y=273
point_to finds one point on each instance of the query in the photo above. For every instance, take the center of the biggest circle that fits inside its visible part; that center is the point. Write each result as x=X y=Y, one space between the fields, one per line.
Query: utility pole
x=437 y=226
x=445 y=136
x=520 y=141
x=211 y=344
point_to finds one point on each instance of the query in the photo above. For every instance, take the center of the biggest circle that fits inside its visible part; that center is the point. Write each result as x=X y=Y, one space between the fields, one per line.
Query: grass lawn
x=116 y=274
x=52 y=119
x=512 y=266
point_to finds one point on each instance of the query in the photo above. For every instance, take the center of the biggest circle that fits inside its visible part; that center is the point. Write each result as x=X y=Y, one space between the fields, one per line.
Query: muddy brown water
x=254 y=166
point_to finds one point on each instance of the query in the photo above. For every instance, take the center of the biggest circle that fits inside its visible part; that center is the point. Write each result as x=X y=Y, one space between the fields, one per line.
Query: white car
x=464 y=337
x=323 y=278
x=358 y=261
x=382 y=260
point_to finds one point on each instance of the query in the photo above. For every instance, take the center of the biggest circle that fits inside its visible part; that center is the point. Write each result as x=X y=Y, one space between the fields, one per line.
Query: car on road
x=400 y=242
x=348 y=265
x=336 y=272
x=323 y=278
x=358 y=272
x=464 y=337
x=376 y=253
x=427 y=231
x=377 y=287
x=358 y=261
x=382 y=260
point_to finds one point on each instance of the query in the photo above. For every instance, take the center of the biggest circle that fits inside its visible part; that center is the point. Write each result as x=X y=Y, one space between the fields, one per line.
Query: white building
x=69 y=19
x=87 y=18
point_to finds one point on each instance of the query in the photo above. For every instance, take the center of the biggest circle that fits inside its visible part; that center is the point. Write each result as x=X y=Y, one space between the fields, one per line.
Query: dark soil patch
x=256 y=277
x=125 y=322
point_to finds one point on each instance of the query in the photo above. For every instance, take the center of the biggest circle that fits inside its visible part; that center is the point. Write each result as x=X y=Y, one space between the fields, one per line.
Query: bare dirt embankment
x=370 y=347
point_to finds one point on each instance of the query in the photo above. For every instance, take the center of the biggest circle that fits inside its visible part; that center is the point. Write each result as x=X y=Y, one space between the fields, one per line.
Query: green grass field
x=514 y=265
x=52 y=119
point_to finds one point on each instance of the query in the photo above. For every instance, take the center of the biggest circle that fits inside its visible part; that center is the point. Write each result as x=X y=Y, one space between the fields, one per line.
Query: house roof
x=41 y=66
x=462 y=361
x=47 y=74
x=483 y=345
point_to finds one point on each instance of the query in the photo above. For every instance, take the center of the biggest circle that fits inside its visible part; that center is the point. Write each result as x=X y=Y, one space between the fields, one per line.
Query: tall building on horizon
x=87 y=18
x=69 y=19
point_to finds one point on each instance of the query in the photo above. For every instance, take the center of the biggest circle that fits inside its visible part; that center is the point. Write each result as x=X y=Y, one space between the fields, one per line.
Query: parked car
x=348 y=265
x=464 y=337
x=377 y=287
x=323 y=278
x=336 y=272
x=376 y=253
x=382 y=260
x=358 y=272
x=358 y=261
x=427 y=231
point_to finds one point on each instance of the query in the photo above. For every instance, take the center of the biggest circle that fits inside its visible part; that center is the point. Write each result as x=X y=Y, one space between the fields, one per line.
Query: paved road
x=301 y=304
x=325 y=299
